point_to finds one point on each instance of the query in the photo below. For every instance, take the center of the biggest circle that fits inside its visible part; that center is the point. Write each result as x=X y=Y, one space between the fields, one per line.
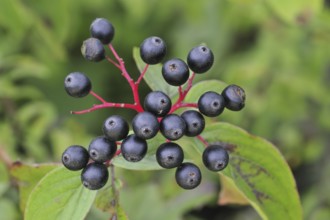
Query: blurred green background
x=277 y=50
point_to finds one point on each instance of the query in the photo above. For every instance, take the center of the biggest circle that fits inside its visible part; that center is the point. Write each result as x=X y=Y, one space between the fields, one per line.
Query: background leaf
x=59 y=195
x=27 y=177
x=258 y=170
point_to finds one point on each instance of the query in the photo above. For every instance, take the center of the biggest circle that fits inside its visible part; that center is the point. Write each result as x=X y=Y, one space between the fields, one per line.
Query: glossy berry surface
x=153 y=50
x=211 y=104
x=115 y=128
x=75 y=157
x=93 y=50
x=169 y=155
x=215 y=157
x=234 y=97
x=145 y=125
x=102 y=149
x=200 y=59
x=77 y=84
x=133 y=148
x=188 y=176
x=94 y=176
x=175 y=72
x=103 y=30
x=158 y=103
x=195 y=122
x=172 y=127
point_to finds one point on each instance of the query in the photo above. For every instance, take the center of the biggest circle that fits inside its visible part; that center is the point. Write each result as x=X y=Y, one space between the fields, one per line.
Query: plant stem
x=199 y=137
x=115 y=193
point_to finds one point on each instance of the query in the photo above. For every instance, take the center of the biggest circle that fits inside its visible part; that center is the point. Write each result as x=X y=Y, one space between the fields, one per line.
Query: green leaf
x=105 y=196
x=27 y=177
x=59 y=195
x=258 y=170
x=295 y=11
x=204 y=86
x=149 y=162
x=153 y=76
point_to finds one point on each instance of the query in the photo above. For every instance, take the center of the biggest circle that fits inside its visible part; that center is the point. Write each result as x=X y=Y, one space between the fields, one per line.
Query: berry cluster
x=155 y=114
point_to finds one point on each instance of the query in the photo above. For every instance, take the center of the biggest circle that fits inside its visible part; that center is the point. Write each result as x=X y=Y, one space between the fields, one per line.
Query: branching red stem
x=199 y=137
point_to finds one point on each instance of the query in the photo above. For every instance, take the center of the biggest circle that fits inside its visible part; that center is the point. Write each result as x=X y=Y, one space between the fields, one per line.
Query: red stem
x=199 y=137
x=108 y=105
x=142 y=74
x=97 y=97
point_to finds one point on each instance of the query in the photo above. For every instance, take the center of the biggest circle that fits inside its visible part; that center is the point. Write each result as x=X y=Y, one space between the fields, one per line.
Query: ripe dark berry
x=215 y=158
x=234 y=97
x=102 y=149
x=195 y=122
x=211 y=104
x=115 y=128
x=93 y=50
x=158 y=103
x=94 y=176
x=103 y=30
x=188 y=176
x=75 y=157
x=173 y=127
x=200 y=59
x=153 y=50
x=133 y=148
x=175 y=72
x=145 y=125
x=169 y=155
x=77 y=84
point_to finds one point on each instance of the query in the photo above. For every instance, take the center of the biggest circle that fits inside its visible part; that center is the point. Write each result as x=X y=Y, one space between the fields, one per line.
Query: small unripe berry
x=195 y=122
x=175 y=72
x=75 y=157
x=153 y=50
x=234 y=97
x=200 y=59
x=145 y=125
x=102 y=149
x=77 y=84
x=103 y=30
x=94 y=176
x=172 y=127
x=133 y=148
x=211 y=104
x=215 y=157
x=158 y=103
x=188 y=176
x=93 y=50
x=169 y=155
x=115 y=128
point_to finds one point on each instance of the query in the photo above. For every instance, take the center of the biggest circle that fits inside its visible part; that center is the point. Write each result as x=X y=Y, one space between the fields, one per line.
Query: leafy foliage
x=277 y=50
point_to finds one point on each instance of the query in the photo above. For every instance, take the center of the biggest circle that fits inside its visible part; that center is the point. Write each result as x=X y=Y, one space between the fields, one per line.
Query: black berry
x=215 y=157
x=234 y=97
x=103 y=30
x=133 y=148
x=77 y=84
x=153 y=50
x=173 y=127
x=175 y=72
x=169 y=155
x=211 y=104
x=115 y=128
x=188 y=175
x=195 y=122
x=158 y=103
x=93 y=50
x=102 y=149
x=200 y=59
x=145 y=125
x=75 y=157
x=94 y=176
